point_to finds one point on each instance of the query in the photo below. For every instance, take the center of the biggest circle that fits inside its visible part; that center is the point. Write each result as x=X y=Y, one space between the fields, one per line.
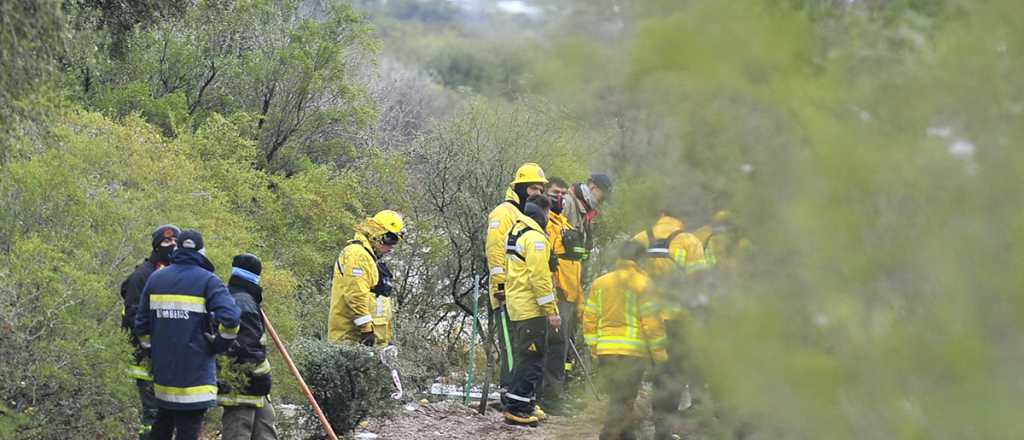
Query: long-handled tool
x=389 y=357
x=586 y=371
x=302 y=383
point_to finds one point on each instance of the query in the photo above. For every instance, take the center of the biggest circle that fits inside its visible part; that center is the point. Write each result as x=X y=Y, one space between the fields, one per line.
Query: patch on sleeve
x=357 y=272
x=539 y=245
x=495 y=224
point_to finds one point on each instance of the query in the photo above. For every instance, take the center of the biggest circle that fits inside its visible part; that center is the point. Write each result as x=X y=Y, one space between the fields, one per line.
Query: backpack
x=659 y=248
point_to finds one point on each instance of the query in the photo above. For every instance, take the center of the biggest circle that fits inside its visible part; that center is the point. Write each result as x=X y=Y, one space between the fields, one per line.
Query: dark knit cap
x=248 y=262
x=164 y=232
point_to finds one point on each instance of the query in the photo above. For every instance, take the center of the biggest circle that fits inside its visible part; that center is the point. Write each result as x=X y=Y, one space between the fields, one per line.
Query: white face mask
x=587 y=195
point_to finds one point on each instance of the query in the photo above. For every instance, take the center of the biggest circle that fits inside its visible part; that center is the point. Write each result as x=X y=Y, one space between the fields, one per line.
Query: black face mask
x=557 y=203
x=163 y=254
x=520 y=190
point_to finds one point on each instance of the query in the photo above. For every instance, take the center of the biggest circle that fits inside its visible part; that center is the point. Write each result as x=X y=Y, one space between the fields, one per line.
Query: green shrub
x=348 y=381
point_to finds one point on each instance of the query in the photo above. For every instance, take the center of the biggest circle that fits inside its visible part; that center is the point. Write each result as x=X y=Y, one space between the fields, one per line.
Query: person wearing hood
x=582 y=202
x=244 y=387
x=164 y=240
x=529 y=180
x=178 y=309
x=357 y=277
x=532 y=308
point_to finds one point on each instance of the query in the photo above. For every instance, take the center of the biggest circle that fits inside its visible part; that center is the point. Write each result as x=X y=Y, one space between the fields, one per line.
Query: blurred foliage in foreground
x=868 y=151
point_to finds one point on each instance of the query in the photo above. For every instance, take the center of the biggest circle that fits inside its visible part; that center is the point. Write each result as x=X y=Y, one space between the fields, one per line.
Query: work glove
x=219 y=345
x=368 y=339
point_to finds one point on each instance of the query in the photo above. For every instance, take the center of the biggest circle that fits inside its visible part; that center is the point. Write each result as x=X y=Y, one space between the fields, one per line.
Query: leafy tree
x=457 y=172
x=296 y=73
x=120 y=18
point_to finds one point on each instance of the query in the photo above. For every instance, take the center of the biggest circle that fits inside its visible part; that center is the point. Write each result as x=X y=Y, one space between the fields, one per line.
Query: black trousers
x=553 y=385
x=504 y=330
x=529 y=341
x=147 y=413
x=181 y=425
x=670 y=382
x=622 y=376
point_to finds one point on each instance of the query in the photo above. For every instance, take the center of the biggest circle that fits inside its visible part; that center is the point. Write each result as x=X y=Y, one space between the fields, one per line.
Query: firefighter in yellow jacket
x=675 y=260
x=623 y=327
x=529 y=180
x=532 y=309
x=724 y=243
x=356 y=276
x=567 y=244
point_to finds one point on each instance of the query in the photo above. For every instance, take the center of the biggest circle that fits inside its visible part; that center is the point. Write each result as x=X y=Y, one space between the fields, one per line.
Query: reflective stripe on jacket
x=355 y=272
x=131 y=291
x=383 y=313
x=686 y=251
x=499 y=223
x=529 y=291
x=178 y=305
x=139 y=370
x=622 y=317
x=687 y=258
x=247 y=378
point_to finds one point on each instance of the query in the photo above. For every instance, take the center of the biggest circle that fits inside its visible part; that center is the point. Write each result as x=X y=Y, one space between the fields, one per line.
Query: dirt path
x=452 y=420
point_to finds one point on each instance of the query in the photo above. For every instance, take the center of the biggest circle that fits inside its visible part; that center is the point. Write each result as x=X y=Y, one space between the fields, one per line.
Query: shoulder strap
x=672 y=236
x=659 y=248
x=337 y=262
x=513 y=239
x=368 y=250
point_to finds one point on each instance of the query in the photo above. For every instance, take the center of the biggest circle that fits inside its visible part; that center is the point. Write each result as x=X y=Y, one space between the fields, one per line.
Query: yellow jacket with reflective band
x=569 y=275
x=499 y=223
x=687 y=257
x=529 y=291
x=725 y=249
x=686 y=250
x=355 y=272
x=622 y=317
x=383 y=319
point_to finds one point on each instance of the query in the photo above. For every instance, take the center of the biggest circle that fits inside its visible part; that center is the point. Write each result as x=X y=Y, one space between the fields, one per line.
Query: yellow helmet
x=530 y=173
x=391 y=221
x=723 y=216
